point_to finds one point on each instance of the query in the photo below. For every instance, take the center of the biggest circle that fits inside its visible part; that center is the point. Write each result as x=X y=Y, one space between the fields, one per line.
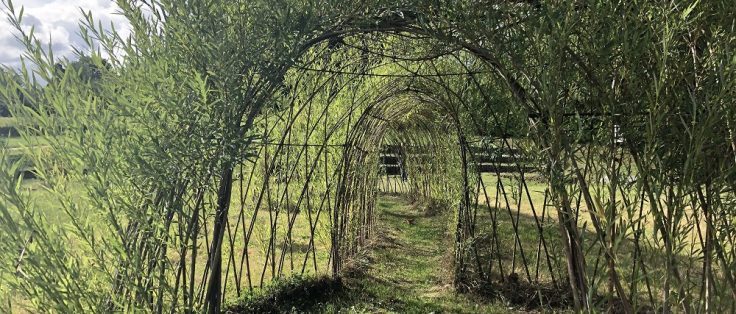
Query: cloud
x=59 y=21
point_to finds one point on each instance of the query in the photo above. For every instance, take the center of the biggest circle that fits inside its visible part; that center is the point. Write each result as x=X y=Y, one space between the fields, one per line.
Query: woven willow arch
x=258 y=145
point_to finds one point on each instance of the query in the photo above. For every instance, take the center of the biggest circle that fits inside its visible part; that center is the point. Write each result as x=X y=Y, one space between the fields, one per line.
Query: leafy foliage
x=159 y=151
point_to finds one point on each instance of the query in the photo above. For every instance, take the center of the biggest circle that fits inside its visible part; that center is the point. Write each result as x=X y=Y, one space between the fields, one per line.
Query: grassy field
x=287 y=256
x=522 y=212
x=7 y=122
x=15 y=144
x=245 y=269
x=525 y=257
x=408 y=267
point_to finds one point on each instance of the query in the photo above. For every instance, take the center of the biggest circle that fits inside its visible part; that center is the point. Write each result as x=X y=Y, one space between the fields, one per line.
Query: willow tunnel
x=303 y=201
x=586 y=152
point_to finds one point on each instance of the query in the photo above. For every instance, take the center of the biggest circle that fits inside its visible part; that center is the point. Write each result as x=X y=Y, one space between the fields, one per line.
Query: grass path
x=408 y=269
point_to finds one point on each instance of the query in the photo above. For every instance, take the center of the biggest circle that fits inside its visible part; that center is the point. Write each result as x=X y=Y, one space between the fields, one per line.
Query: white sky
x=57 y=19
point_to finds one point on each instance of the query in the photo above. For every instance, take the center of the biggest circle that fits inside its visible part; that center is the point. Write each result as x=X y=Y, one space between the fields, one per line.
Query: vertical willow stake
x=461 y=231
x=213 y=298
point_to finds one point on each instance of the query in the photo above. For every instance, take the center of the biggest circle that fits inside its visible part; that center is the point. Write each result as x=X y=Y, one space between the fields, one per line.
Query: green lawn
x=20 y=142
x=7 y=122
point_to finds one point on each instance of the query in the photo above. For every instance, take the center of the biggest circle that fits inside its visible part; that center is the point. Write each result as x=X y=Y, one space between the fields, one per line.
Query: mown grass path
x=408 y=268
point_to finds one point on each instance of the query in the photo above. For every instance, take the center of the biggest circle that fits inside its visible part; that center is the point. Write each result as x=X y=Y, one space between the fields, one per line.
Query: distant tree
x=89 y=69
x=9 y=77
